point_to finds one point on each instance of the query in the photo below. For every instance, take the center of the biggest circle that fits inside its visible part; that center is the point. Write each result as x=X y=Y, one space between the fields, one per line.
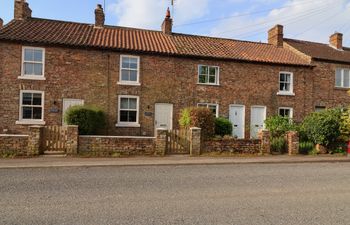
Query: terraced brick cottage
x=143 y=78
x=331 y=74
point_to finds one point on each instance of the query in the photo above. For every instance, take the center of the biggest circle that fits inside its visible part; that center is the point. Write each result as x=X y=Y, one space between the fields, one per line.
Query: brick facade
x=89 y=69
x=93 y=76
x=325 y=94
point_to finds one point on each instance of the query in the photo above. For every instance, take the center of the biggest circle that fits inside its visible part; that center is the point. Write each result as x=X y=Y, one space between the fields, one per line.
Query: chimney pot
x=99 y=17
x=167 y=26
x=276 y=36
x=22 y=10
x=336 y=40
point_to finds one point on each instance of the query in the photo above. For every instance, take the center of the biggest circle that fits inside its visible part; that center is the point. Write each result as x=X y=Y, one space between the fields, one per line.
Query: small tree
x=89 y=119
x=223 y=126
x=323 y=127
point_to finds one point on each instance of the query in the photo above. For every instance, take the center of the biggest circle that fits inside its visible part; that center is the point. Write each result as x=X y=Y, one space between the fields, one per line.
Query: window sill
x=135 y=125
x=208 y=84
x=342 y=88
x=286 y=93
x=128 y=84
x=31 y=77
x=30 y=122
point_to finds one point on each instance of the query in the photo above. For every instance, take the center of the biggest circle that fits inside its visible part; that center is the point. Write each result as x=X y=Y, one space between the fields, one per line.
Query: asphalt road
x=218 y=194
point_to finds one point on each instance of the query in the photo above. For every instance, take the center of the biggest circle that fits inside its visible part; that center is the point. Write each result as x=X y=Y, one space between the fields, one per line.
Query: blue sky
x=312 y=20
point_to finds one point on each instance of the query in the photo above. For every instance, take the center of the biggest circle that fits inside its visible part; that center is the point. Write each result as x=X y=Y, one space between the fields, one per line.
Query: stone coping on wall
x=14 y=135
x=125 y=137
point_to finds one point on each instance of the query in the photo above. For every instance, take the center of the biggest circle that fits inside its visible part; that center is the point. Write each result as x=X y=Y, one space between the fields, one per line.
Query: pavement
x=45 y=162
x=254 y=194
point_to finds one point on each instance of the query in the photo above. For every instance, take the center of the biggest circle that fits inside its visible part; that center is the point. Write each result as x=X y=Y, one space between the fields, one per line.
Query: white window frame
x=22 y=121
x=123 y=82
x=129 y=124
x=32 y=77
x=287 y=108
x=210 y=104
x=291 y=91
x=217 y=83
x=342 y=78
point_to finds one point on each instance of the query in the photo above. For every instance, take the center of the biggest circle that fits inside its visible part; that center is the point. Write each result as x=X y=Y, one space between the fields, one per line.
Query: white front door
x=257 y=120
x=237 y=117
x=68 y=103
x=163 y=116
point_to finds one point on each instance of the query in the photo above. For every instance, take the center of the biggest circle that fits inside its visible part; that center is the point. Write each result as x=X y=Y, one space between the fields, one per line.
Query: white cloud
x=313 y=20
x=150 y=13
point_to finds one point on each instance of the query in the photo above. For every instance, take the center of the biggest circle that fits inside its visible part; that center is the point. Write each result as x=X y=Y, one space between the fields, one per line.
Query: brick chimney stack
x=167 y=26
x=1 y=23
x=336 y=40
x=276 y=36
x=99 y=17
x=22 y=10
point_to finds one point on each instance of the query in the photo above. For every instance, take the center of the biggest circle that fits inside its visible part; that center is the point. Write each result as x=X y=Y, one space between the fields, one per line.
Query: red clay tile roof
x=45 y=31
x=320 y=51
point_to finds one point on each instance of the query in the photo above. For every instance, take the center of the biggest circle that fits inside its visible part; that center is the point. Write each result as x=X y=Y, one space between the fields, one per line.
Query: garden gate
x=178 y=142
x=54 y=138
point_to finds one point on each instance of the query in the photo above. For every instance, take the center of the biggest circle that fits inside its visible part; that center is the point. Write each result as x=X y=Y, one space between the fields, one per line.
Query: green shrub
x=345 y=125
x=223 y=126
x=322 y=127
x=278 y=144
x=306 y=147
x=278 y=125
x=338 y=148
x=198 y=117
x=89 y=119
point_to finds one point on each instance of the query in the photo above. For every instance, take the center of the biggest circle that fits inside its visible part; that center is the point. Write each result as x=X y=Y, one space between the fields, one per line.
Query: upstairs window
x=208 y=75
x=342 y=78
x=33 y=62
x=212 y=107
x=129 y=70
x=285 y=83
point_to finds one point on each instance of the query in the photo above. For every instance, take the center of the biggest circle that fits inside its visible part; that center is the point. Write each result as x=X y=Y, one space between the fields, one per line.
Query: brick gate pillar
x=34 y=140
x=195 y=141
x=160 y=145
x=293 y=142
x=72 y=140
x=264 y=136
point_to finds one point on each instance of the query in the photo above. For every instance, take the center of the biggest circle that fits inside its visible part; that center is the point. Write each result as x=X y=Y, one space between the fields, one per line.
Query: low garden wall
x=230 y=145
x=115 y=146
x=13 y=145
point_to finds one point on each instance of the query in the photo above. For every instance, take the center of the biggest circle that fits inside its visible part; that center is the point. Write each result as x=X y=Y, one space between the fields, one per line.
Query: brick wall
x=16 y=145
x=109 y=145
x=93 y=75
x=237 y=146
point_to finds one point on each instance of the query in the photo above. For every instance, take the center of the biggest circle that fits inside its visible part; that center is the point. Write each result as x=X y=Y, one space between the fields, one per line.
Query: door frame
x=244 y=114
x=172 y=116
x=69 y=99
x=265 y=115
